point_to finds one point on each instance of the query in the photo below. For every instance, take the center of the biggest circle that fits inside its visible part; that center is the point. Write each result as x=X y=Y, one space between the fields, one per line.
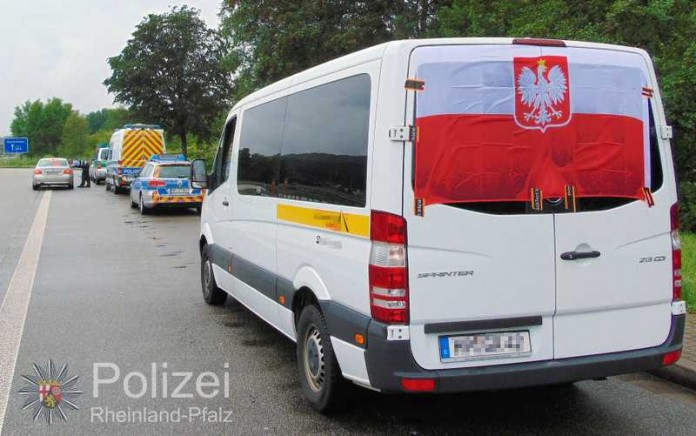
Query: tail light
x=119 y=170
x=120 y=162
x=388 y=270
x=676 y=253
x=38 y=171
x=418 y=384
x=67 y=171
x=156 y=183
x=671 y=358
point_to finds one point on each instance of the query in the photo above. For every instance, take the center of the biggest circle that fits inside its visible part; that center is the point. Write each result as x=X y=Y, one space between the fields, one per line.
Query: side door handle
x=575 y=255
x=225 y=202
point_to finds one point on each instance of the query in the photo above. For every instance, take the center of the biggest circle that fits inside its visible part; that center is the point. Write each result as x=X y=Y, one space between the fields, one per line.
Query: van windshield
x=504 y=124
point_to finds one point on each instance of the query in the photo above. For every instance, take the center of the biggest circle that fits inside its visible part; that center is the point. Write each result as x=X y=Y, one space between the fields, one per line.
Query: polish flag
x=496 y=121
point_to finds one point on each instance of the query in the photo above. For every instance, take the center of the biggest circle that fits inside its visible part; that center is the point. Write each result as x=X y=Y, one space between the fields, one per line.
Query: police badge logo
x=542 y=92
x=49 y=392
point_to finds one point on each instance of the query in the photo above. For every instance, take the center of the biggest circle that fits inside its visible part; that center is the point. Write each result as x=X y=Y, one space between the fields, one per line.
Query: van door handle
x=575 y=255
x=225 y=203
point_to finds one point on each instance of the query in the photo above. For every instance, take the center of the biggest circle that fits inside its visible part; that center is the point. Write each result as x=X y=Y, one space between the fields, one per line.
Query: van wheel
x=211 y=293
x=320 y=375
x=108 y=186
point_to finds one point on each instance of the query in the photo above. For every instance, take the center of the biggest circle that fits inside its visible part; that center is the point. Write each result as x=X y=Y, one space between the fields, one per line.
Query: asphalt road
x=121 y=290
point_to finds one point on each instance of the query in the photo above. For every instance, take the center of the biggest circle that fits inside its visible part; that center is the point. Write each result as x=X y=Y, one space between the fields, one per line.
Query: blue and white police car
x=164 y=183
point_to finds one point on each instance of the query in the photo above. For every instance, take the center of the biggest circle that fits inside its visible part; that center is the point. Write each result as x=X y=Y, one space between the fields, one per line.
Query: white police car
x=164 y=183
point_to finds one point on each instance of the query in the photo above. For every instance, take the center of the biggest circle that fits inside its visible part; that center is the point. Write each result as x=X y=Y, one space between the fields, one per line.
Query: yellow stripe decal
x=352 y=224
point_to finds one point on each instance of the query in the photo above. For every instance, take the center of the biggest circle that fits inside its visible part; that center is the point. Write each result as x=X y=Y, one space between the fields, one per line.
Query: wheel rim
x=207 y=277
x=313 y=358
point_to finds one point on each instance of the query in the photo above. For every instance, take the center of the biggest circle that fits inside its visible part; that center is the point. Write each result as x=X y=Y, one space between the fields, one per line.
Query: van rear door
x=618 y=299
x=536 y=204
x=481 y=266
x=138 y=147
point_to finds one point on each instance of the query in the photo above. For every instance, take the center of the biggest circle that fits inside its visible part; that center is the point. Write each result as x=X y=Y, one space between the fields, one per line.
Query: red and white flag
x=497 y=121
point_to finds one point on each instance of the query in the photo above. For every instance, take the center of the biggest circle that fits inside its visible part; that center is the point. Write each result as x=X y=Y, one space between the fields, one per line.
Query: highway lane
x=121 y=290
x=18 y=204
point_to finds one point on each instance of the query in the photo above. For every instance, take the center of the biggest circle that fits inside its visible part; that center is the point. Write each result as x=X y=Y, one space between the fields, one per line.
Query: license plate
x=178 y=191
x=485 y=345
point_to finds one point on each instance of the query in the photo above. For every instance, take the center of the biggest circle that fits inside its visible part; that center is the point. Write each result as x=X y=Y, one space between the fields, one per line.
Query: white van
x=451 y=215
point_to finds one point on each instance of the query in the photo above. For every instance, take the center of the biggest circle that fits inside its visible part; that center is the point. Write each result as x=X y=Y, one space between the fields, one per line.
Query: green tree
x=74 y=141
x=270 y=40
x=42 y=123
x=170 y=73
x=109 y=119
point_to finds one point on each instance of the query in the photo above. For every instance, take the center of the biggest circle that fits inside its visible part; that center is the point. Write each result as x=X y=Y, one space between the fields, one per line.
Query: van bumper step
x=388 y=362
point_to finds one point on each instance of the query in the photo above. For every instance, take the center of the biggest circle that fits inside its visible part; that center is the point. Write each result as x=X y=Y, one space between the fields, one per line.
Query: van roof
x=376 y=52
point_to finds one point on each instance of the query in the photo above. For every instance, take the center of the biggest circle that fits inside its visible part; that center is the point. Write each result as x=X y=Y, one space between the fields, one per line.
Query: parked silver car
x=52 y=171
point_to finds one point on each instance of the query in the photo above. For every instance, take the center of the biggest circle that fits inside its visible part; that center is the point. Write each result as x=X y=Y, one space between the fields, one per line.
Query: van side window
x=221 y=165
x=227 y=150
x=259 y=149
x=324 y=155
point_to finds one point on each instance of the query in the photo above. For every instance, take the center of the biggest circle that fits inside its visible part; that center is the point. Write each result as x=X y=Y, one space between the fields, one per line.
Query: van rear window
x=502 y=124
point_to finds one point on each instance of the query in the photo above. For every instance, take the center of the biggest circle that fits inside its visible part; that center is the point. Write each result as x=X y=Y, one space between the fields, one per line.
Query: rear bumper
x=99 y=174
x=58 y=179
x=182 y=201
x=390 y=361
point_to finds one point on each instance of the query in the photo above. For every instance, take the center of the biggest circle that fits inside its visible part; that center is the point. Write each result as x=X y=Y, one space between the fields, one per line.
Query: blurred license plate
x=485 y=345
x=178 y=191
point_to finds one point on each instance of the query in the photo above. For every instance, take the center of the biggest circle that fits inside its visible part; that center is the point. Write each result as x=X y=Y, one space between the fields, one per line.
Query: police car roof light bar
x=142 y=126
x=168 y=158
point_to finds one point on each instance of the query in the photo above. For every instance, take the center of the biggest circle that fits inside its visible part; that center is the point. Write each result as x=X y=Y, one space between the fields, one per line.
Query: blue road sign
x=16 y=145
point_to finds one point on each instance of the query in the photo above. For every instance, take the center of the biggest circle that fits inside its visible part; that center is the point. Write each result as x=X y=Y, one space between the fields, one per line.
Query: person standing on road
x=84 y=164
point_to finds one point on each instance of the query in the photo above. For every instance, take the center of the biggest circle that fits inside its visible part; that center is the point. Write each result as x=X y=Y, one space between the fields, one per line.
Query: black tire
x=35 y=187
x=117 y=190
x=212 y=295
x=71 y=186
x=198 y=209
x=134 y=205
x=144 y=210
x=320 y=376
x=108 y=186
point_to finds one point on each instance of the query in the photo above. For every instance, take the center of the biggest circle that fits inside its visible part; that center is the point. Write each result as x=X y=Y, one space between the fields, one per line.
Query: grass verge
x=18 y=161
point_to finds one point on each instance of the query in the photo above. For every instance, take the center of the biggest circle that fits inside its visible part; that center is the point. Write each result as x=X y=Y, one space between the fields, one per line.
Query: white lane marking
x=13 y=311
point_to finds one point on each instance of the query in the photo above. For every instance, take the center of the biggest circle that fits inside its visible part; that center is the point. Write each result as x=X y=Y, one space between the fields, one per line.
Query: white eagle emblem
x=543 y=96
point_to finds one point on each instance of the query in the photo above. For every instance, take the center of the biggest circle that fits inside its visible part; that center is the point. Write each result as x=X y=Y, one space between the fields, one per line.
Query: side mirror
x=199 y=176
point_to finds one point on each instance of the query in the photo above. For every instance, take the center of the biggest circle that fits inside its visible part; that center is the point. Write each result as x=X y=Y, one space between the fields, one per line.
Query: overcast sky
x=58 y=48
